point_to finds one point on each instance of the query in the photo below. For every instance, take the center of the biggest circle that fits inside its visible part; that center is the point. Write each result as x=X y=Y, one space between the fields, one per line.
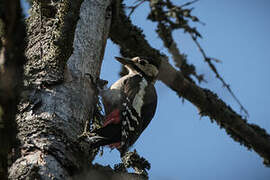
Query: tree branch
x=208 y=60
x=132 y=43
x=177 y=18
x=165 y=34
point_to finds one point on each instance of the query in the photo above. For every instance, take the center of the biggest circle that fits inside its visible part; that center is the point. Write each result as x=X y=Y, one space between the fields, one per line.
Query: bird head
x=138 y=65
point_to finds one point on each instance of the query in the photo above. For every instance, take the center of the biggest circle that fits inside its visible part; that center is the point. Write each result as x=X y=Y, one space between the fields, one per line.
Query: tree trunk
x=59 y=97
x=12 y=33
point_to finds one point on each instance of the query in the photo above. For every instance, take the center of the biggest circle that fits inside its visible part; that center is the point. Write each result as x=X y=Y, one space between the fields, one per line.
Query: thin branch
x=133 y=8
x=181 y=17
x=213 y=68
x=164 y=30
x=216 y=60
x=165 y=34
x=189 y=3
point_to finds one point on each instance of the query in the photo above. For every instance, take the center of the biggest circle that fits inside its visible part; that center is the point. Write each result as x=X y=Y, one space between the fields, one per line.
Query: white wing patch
x=133 y=117
x=138 y=99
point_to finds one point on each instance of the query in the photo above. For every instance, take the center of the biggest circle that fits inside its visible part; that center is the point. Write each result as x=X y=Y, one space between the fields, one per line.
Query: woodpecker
x=130 y=104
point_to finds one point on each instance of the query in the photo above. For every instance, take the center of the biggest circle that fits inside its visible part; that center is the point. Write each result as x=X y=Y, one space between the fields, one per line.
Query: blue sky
x=178 y=143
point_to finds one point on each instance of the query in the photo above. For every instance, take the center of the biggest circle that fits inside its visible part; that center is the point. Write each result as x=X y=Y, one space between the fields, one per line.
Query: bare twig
x=181 y=17
x=189 y=3
x=165 y=34
x=164 y=29
x=213 y=68
x=133 y=8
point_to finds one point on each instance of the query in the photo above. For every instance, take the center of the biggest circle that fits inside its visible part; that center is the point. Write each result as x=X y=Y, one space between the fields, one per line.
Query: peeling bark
x=59 y=96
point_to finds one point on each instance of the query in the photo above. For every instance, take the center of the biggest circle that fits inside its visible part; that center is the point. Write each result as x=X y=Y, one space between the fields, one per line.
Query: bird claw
x=84 y=136
x=90 y=137
x=94 y=139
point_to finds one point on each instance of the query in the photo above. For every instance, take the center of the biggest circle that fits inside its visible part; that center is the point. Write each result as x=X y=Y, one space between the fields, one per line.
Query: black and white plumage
x=130 y=104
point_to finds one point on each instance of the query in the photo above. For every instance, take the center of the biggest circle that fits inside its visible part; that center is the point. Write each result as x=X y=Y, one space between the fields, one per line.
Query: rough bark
x=132 y=43
x=59 y=96
x=12 y=33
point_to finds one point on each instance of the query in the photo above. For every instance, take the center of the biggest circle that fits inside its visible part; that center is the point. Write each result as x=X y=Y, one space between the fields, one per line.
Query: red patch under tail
x=113 y=118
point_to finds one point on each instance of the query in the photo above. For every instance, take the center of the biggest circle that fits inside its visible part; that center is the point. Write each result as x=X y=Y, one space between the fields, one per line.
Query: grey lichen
x=50 y=37
x=135 y=161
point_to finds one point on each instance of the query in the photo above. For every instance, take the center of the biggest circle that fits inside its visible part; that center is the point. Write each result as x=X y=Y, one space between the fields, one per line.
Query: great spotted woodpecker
x=130 y=104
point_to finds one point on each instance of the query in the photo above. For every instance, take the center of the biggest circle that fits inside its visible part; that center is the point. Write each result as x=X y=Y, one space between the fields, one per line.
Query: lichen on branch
x=132 y=42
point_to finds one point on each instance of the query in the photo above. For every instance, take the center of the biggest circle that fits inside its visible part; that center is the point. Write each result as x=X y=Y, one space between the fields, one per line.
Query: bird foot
x=85 y=135
x=90 y=137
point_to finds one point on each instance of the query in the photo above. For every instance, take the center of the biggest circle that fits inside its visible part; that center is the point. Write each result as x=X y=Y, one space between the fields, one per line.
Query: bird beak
x=124 y=61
